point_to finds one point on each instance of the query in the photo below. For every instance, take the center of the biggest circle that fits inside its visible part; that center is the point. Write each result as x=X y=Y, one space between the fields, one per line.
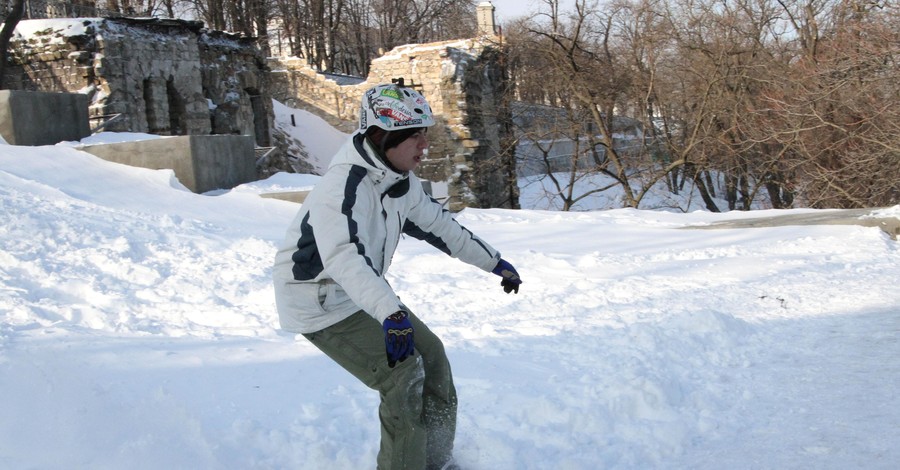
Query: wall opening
x=151 y=109
x=177 y=109
x=260 y=118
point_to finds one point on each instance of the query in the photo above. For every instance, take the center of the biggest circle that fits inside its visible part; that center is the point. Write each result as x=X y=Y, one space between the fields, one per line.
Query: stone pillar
x=487 y=26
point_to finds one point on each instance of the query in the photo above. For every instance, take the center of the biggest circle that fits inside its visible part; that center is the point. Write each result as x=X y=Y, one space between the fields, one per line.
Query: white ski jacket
x=339 y=246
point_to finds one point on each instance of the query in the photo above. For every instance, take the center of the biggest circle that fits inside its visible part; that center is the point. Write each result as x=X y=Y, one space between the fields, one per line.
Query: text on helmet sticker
x=391 y=93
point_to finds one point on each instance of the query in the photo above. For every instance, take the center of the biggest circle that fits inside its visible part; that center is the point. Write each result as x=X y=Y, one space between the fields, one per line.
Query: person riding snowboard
x=330 y=284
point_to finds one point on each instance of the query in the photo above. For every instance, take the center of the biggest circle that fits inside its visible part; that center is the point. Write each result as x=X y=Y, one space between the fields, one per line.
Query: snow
x=887 y=212
x=303 y=125
x=407 y=49
x=113 y=138
x=138 y=330
x=59 y=28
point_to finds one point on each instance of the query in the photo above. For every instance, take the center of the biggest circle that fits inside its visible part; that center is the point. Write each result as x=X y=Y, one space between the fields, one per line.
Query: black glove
x=398 y=338
x=510 y=277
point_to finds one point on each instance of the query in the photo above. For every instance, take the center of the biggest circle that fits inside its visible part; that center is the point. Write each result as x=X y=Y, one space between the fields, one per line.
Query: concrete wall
x=223 y=161
x=201 y=162
x=42 y=118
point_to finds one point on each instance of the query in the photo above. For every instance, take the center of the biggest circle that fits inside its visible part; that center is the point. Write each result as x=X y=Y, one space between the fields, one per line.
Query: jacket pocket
x=298 y=304
x=335 y=298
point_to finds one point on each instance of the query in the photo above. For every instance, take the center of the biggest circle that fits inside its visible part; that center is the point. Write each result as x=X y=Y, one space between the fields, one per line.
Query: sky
x=507 y=10
x=138 y=330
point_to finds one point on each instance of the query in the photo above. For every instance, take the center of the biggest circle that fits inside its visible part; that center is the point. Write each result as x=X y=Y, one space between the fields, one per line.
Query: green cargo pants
x=418 y=399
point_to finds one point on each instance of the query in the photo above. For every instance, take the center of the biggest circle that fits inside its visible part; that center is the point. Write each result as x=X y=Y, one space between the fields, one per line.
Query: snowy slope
x=138 y=330
x=319 y=140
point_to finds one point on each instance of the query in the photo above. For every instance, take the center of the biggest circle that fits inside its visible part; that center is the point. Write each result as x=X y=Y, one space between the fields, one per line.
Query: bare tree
x=838 y=114
x=583 y=64
x=357 y=38
x=16 y=11
x=343 y=36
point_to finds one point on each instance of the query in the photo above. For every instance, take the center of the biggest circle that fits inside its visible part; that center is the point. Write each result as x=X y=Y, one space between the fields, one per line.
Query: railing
x=105 y=120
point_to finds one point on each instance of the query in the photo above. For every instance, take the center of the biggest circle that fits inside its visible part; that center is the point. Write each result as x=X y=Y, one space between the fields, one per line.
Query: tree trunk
x=703 y=190
x=9 y=26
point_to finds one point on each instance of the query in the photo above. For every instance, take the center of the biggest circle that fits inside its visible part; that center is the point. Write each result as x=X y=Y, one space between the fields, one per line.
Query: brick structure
x=173 y=77
x=166 y=77
x=471 y=151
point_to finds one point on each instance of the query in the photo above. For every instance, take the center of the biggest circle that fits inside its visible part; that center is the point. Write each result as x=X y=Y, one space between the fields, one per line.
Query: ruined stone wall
x=299 y=86
x=234 y=78
x=464 y=81
x=174 y=77
x=47 y=62
x=165 y=77
x=154 y=84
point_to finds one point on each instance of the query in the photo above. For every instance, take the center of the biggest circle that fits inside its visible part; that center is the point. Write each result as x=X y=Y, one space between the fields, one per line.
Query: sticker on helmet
x=390 y=111
x=391 y=93
x=388 y=107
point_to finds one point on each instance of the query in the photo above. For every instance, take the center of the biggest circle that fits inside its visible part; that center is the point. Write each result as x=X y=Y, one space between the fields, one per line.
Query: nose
x=423 y=141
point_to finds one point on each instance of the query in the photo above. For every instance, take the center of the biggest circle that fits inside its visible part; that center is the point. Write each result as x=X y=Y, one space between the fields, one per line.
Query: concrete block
x=43 y=118
x=290 y=196
x=201 y=162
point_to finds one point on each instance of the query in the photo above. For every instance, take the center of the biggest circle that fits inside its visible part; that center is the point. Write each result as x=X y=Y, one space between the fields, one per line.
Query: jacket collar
x=359 y=151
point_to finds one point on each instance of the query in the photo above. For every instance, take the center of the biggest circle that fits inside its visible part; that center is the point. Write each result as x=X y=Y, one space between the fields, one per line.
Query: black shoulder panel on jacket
x=354 y=179
x=307 y=262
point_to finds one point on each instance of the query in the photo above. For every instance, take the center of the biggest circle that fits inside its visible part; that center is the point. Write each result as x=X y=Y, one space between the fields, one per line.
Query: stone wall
x=234 y=77
x=173 y=77
x=464 y=81
x=165 y=77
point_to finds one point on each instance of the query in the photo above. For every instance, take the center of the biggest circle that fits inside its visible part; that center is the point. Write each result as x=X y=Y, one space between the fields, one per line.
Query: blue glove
x=510 y=277
x=398 y=338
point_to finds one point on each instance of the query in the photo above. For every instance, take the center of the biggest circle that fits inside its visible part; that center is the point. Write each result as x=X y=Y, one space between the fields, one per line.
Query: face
x=408 y=155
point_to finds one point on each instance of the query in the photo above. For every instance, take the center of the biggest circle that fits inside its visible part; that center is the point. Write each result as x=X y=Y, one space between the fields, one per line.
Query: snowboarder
x=330 y=284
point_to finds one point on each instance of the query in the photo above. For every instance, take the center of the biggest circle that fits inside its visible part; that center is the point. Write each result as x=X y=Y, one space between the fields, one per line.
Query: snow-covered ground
x=138 y=330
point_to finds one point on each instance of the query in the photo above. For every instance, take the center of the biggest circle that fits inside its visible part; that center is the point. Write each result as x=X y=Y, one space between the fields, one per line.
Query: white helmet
x=394 y=107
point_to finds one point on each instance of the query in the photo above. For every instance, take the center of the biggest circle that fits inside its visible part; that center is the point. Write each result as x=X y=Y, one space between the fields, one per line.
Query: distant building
x=545 y=139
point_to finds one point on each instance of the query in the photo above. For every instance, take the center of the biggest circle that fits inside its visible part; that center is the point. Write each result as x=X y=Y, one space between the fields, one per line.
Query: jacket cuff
x=388 y=308
x=490 y=264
